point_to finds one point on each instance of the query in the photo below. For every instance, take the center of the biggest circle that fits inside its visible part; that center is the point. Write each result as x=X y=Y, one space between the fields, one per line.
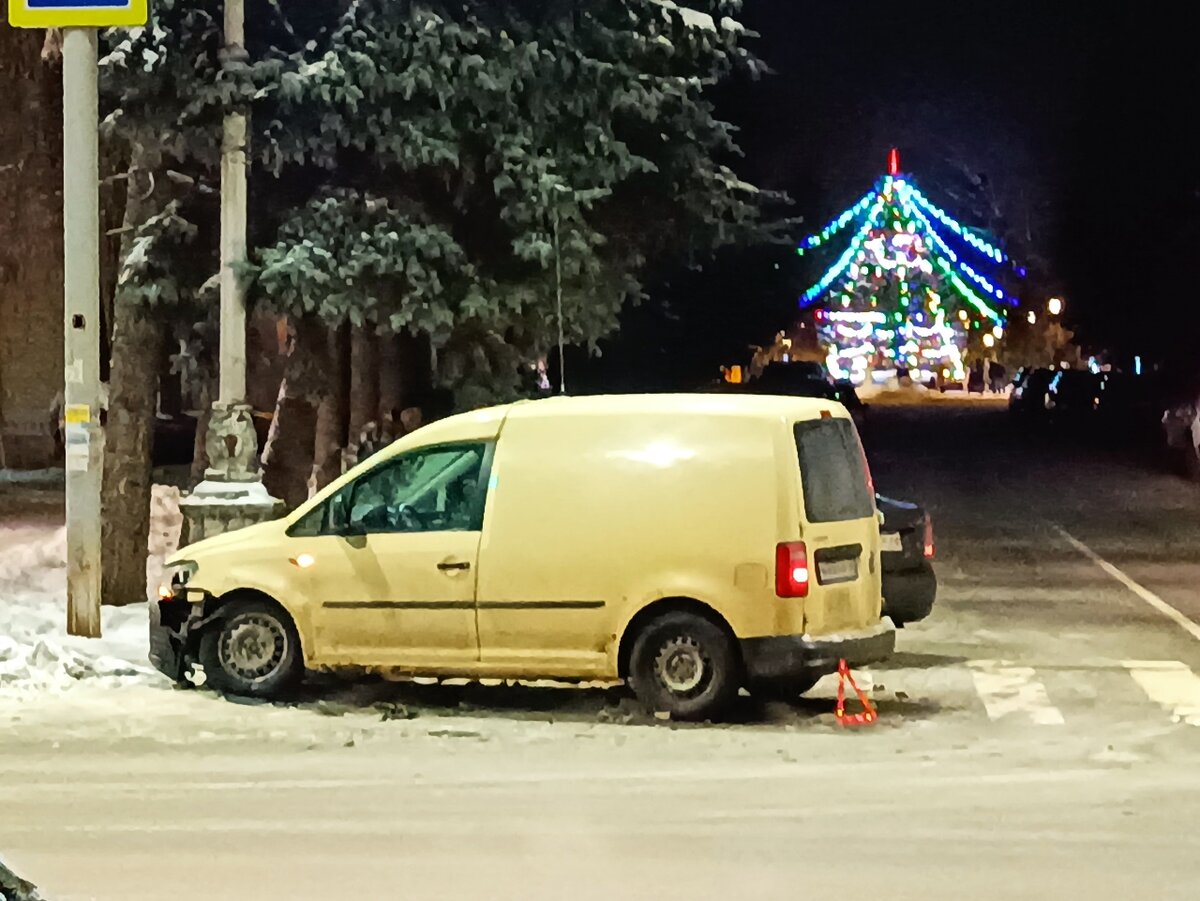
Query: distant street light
x=998 y=331
x=989 y=340
x=1055 y=306
x=1032 y=318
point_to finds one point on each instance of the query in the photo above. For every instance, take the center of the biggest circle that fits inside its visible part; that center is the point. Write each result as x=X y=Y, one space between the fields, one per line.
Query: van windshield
x=832 y=471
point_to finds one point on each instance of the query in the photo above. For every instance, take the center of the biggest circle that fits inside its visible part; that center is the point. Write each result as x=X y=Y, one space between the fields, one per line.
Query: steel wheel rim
x=682 y=667
x=252 y=646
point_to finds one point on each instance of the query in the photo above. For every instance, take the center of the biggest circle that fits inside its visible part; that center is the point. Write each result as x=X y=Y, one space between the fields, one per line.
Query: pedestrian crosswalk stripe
x=1008 y=690
x=1031 y=693
x=1171 y=685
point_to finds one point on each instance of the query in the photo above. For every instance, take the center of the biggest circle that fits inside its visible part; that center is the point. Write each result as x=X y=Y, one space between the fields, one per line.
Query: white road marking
x=1170 y=684
x=1006 y=689
x=1144 y=593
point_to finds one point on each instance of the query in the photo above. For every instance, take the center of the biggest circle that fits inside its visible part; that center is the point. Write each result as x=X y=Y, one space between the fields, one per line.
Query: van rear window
x=833 y=471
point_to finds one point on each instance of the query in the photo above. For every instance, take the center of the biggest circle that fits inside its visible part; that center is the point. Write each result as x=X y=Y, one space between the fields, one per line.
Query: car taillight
x=929 y=546
x=791 y=570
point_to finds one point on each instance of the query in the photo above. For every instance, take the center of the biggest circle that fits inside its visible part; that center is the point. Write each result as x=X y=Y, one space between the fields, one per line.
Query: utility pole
x=84 y=438
x=232 y=389
x=232 y=494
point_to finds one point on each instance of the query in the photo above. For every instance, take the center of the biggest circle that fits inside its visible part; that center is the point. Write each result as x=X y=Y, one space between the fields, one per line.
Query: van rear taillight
x=791 y=570
x=929 y=546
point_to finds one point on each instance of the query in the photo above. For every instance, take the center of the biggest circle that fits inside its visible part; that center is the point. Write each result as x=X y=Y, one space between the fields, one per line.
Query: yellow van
x=690 y=545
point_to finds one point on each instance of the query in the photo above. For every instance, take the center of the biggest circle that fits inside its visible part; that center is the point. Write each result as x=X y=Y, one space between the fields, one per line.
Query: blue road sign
x=76 y=13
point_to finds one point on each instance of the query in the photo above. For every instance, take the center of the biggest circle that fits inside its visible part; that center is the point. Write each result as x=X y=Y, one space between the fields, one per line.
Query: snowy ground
x=37 y=658
x=893 y=395
x=1039 y=737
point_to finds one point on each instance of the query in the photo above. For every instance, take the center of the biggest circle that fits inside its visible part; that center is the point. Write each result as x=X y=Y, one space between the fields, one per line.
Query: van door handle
x=453 y=566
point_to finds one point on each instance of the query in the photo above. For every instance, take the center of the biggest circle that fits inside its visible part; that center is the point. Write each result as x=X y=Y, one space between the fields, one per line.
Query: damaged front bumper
x=175 y=626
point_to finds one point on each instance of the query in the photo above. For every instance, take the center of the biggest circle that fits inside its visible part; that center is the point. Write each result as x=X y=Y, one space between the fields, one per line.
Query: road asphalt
x=1038 y=737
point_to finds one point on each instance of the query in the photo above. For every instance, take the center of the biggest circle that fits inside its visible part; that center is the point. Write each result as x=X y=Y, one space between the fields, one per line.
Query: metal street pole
x=84 y=438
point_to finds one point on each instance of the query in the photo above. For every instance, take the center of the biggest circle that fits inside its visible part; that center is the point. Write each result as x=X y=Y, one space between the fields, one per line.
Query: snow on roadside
x=919 y=395
x=36 y=654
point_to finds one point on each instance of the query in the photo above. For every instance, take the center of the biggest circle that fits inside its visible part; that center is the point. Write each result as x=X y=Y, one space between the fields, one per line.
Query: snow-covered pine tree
x=411 y=162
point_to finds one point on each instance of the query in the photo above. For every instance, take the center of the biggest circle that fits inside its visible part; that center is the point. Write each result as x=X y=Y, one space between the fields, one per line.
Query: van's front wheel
x=686 y=666
x=252 y=650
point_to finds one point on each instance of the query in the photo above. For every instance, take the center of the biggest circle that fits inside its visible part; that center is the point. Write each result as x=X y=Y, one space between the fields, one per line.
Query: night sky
x=1080 y=120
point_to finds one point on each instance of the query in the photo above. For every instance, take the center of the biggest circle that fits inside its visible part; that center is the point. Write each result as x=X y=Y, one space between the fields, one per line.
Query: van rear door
x=840 y=527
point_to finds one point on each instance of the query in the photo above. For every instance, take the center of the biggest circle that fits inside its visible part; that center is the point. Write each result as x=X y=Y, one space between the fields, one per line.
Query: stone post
x=232 y=495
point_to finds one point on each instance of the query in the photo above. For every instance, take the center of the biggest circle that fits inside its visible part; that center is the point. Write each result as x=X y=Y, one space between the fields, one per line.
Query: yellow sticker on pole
x=77 y=13
x=78 y=414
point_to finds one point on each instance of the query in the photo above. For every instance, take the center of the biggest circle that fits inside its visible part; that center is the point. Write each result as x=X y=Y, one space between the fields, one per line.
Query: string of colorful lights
x=900 y=295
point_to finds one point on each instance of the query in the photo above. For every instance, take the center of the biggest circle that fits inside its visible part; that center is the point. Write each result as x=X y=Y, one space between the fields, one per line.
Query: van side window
x=436 y=489
x=832 y=471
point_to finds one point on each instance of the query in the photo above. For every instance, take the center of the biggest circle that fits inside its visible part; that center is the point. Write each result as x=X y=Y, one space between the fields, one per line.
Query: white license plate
x=890 y=541
x=837 y=571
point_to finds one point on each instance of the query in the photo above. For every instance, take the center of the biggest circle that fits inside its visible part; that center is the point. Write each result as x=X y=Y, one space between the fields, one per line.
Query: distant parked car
x=1073 y=395
x=1029 y=394
x=1129 y=404
x=847 y=395
x=809 y=380
x=906 y=560
x=792 y=380
x=1181 y=425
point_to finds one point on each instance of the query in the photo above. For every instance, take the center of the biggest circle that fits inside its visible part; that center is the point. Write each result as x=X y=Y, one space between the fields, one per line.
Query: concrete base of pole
x=214 y=508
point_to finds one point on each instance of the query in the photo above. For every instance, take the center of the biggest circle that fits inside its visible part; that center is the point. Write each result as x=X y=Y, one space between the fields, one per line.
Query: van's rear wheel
x=252 y=650
x=684 y=665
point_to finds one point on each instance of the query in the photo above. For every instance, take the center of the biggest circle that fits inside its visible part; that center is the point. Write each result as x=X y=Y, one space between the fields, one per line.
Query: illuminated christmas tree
x=908 y=291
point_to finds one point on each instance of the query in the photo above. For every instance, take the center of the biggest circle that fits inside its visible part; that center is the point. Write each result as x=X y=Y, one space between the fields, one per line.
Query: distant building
x=31 y=336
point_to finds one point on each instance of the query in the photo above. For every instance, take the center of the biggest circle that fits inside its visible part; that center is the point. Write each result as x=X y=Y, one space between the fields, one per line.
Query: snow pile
x=166 y=520
x=36 y=654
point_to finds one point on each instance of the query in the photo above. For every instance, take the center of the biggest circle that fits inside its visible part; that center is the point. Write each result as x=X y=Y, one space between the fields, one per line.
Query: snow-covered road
x=1039 y=738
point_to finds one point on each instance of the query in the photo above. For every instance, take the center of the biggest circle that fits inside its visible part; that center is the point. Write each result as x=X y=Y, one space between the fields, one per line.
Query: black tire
x=788 y=690
x=695 y=654
x=252 y=650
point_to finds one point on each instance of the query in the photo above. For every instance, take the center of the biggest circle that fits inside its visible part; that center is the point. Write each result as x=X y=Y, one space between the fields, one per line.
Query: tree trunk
x=416 y=369
x=391 y=379
x=364 y=380
x=138 y=344
x=332 y=412
x=129 y=440
x=288 y=455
